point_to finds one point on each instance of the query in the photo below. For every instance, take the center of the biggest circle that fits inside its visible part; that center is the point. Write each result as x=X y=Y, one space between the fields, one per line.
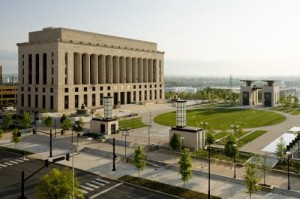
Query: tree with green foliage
x=26 y=120
x=58 y=184
x=66 y=124
x=264 y=166
x=7 y=120
x=78 y=125
x=47 y=121
x=185 y=166
x=139 y=159
x=210 y=138
x=16 y=137
x=280 y=149
x=175 y=142
x=1 y=133
x=251 y=179
x=231 y=150
x=63 y=117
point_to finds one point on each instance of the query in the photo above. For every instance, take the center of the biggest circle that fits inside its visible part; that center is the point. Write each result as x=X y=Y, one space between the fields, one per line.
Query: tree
x=66 y=124
x=139 y=159
x=7 y=120
x=175 y=142
x=26 y=120
x=63 y=117
x=78 y=125
x=185 y=166
x=280 y=149
x=58 y=184
x=210 y=138
x=1 y=133
x=16 y=137
x=264 y=166
x=47 y=121
x=231 y=150
x=251 y=179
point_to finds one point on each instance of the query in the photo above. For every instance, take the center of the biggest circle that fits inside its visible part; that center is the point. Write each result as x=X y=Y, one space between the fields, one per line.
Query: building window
x=66 y=102
x=37 y=68
x=36 y=101
x=44 y=90
x=29 y=100
x=30 y=69
x=29 y=89
x=108 y=88
x=101 y=99
x=85 y=88
x=51 y=102
x=44 y=101
x=93 y=88
x=76 y=89
x=44 y=68
x=22 y=99
x=76 y=101
x=22 y=88
x=51 y=90
x=85 y=100
x=94 y=100
x=36 y=89
x=66 y=90
x=101 y=88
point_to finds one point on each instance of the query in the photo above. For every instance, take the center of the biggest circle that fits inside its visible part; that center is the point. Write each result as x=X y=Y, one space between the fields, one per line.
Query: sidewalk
x=103 y=166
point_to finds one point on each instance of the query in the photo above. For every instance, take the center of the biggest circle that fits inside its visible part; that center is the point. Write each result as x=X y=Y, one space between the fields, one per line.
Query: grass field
x=248 y=138
x=131 y=123
x=222 y=118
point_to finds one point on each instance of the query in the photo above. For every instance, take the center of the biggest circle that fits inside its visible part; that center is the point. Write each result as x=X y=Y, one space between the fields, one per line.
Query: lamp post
x=204 y=125
x=208 y=150
x=149 y=126
x=125 y=134
x=50 y=155
x=234 y=165
x=235 y=127
x=113 y=143
x=288 y=153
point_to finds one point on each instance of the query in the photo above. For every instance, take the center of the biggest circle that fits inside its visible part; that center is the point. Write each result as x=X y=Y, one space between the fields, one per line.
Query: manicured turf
x=131 y=123
x=250 y=137
x=222 y=118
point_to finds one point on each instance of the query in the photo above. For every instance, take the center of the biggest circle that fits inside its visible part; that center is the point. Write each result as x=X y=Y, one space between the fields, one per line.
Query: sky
x=199 y=37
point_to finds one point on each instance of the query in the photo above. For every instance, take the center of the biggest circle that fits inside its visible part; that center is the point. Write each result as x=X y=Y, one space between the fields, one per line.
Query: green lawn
x=250 y=137
x=222 y=118
x=131 y=123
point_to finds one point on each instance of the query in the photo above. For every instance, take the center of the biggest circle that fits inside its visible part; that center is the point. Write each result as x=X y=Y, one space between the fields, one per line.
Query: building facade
x=60 y=69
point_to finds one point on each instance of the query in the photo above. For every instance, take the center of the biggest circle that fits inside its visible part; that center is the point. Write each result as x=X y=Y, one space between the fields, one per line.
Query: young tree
x=210 y=138
x=47 y=121
x=66 y=124
x=175 y=142
x=280 y=149
x=26 y=120
x=264 y=166
x=7 y=120
x=231 y=150
x=58 y=184
x=63 y=117
x=78 y=125
x=185 y=166
x=139 y=159
x=251 y=179
x=16 y=137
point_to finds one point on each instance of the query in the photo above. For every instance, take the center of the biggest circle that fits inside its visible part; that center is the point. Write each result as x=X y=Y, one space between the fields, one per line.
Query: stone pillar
x=145 y=66
x=155 y=70
x=134 y=70
x=33 y=69
x=128 y=70
x=77 y=68
x=140 y=70
x=101 y=69
x=150 y=69
x=122 y=70
x=116 y=74
x=109 y=69
x=85 y=69
x=94 y=69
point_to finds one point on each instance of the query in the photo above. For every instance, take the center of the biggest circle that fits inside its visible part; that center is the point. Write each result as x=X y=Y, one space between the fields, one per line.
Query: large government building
x=60 y=69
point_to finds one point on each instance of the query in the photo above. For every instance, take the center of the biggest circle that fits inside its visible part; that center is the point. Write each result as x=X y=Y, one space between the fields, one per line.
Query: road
x=92 y=185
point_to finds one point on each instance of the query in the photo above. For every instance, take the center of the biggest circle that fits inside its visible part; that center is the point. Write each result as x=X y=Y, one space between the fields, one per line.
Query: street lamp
x=235 y=127
x=204 y=125
x=113 y=143
x=125 y=134
x=50 y=155
x=234 y=165
x=208 y=150
x=289 y=154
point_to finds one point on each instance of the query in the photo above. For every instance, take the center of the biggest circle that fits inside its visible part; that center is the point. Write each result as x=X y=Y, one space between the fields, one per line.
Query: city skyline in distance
x=199 y=38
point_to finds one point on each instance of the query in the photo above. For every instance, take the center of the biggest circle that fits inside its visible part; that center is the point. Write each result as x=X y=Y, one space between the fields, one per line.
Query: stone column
x=140 y=70
x=116 y=74
x=94 y=69
x=128 y=70
x=77 y=68
x=85 y=69
x=101 y=69
x=145 y=66
x=155 y=70
x=122 y=70
x=33 y=69
x=134 y=70
x=150 y=69
x=109 y=69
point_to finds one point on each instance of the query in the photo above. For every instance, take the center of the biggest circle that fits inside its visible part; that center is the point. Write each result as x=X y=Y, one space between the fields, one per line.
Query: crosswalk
x=92 y=185
x=7 y=163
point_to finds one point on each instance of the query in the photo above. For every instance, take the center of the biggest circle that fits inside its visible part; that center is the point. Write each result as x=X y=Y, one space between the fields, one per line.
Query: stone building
x=60 y=69
x=249 y=93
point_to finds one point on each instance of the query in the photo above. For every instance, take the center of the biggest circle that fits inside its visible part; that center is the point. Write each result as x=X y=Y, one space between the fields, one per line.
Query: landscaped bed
x=166 y=188
x=131 y=123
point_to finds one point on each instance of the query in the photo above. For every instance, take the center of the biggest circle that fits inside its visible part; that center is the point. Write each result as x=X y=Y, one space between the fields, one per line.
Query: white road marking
x=87 y=188
x=92 y=185
x=3 y=165
x=106 y=190
x=97 y=183
x=14 y=162
x=83 y=191
x=7 y=163
x=100 y=180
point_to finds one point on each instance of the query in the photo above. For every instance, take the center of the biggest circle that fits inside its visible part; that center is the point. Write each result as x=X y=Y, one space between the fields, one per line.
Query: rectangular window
x=22 y=99
x=94 y=100
x=66 y=68
x=101 y=99
x=44 y=68
x=36 y=101
x=51 y=102
x=37 y=68
x=44 y=102
x=85 y=100
x=76 y=89
x=76 y=101
x=29 y=100
x=30 y=69
x=66 y=102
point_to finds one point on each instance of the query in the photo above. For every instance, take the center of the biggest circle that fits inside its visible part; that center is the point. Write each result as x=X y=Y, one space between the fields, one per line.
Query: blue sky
x=202 y=38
